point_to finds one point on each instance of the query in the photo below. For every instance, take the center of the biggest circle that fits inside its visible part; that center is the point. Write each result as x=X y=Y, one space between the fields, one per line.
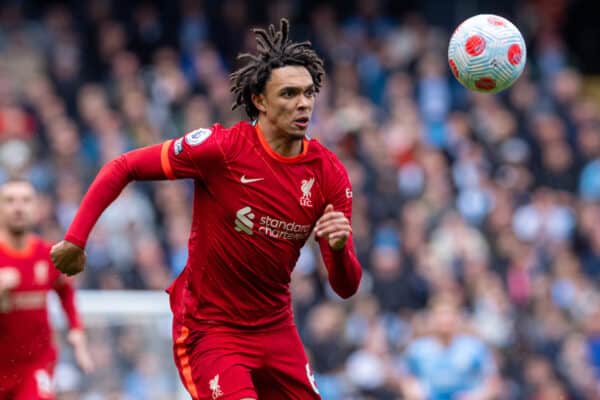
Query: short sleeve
x=197 y=154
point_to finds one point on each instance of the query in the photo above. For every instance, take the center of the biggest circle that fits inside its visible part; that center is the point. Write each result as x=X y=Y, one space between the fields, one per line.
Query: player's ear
x=259 y=102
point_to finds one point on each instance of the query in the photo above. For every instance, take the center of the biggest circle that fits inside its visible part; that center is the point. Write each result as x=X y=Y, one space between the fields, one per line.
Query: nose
x=304 y=103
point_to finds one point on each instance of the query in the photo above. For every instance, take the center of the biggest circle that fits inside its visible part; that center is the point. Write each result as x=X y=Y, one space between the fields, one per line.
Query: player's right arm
x=334 y=231
x=192 y=156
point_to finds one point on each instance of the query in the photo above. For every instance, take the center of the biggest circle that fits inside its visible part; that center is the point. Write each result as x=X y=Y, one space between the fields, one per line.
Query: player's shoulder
x=227 y=139
x=233 y=135
x=331 y=162
x=244 y=127
x=217 y=130
x=235 y=138
x=239 y=128
x=318 y=148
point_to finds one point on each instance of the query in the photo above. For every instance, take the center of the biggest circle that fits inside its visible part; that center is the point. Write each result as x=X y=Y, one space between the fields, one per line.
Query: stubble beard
x=294 y=137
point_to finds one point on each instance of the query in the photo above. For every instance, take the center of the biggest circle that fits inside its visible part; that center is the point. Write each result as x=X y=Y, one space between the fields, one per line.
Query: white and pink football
x=487 y=53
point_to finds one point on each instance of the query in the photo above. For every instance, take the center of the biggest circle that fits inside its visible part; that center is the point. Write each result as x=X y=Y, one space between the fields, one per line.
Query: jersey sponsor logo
x=269 y=226
x=243 y=220
x=178 y=146
x=348 y=193
x=311 y=378
x=279 y=229
x=243 y=179
x=305 y=187
x=215 y=387
x=198 y=136
x=29 y=300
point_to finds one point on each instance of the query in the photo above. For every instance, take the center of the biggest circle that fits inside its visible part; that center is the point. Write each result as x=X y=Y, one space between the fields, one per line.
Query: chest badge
x=306 y=187
x=40 y=272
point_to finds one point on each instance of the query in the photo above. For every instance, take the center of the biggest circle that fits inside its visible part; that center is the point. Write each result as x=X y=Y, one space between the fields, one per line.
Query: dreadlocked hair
x=274 y=50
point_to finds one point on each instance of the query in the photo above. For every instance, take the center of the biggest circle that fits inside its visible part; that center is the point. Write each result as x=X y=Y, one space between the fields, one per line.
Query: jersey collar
x=274 y=154
x=25 y=252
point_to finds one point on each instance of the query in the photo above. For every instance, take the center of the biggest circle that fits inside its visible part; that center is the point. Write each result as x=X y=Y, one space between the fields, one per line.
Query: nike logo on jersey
x=243 y=179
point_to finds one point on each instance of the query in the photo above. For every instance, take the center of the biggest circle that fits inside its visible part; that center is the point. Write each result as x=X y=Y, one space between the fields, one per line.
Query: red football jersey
x=253 y=211
x=25 y=333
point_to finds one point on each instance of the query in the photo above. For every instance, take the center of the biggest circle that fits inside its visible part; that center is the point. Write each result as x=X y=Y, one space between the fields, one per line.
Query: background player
x=27 y=353
x=260 y=191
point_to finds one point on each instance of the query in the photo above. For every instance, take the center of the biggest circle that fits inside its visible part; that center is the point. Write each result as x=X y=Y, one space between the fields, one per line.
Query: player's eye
x=310 y=92
x=287 y=93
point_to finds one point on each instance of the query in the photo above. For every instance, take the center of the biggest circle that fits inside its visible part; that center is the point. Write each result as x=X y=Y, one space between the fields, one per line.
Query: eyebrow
x=297 y=88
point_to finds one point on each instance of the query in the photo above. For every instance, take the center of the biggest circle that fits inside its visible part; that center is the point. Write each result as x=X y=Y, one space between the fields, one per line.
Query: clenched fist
x=68 y=257
x=333 y=226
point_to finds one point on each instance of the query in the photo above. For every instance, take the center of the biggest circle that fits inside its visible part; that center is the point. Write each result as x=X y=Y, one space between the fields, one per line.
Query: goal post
x=135 y=328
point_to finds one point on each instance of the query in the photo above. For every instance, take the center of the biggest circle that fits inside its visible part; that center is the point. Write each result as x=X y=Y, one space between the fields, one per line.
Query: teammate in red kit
x=261 y=189
x=27 y=352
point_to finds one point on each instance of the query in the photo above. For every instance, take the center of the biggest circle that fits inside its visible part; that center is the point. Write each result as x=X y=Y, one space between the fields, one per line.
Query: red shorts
x=33 y=382
x=231 y=365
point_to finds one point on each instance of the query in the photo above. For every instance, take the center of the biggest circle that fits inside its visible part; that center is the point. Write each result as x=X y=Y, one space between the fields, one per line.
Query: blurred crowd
x=476 y=217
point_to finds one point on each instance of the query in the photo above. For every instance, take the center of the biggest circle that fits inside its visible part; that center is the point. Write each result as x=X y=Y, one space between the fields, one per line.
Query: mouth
x=302 y=122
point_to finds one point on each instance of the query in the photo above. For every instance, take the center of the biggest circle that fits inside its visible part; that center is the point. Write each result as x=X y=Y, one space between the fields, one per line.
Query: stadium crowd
x=476 y=217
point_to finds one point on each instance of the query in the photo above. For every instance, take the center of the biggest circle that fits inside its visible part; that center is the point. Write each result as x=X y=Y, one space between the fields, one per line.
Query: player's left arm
x=334 y=232
x=76 y=336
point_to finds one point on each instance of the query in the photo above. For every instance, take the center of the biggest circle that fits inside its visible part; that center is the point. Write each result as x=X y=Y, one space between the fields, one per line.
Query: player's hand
x=9 y=278
x=77 y=339
x=68 y=257
x=333 y=226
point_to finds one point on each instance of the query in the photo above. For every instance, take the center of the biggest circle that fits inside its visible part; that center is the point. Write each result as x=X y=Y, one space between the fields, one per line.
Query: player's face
x=17 y=206
x=288 y=99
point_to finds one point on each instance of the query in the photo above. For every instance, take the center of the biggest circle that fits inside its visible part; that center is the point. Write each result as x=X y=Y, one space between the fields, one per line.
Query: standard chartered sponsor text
x=279 y=229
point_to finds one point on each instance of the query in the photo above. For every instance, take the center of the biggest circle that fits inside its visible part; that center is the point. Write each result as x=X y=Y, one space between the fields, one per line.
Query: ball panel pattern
x=475 y=45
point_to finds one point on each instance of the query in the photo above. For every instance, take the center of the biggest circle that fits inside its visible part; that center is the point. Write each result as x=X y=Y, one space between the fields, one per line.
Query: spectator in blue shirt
x=446 y=363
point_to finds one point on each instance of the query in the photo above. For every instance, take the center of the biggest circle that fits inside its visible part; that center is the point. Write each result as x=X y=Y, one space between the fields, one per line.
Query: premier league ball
x=487 y=53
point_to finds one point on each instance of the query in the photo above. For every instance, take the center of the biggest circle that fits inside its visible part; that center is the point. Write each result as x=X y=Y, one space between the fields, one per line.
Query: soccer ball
x=487 y=53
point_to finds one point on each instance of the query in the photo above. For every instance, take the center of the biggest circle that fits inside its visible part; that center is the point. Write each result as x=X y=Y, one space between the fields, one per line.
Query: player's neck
x=280 y=142
x=15 y=241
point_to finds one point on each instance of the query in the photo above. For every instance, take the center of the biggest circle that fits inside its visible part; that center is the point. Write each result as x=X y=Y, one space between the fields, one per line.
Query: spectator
x=447 y=363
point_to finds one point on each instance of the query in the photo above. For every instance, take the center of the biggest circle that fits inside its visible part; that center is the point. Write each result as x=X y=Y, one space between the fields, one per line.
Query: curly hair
x=274 y=50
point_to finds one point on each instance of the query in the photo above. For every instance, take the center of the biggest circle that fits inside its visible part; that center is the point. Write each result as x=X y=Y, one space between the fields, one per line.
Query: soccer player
x=27 y=352
x=261 y=189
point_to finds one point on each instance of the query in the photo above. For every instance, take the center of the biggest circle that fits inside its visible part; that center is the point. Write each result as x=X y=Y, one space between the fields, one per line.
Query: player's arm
x=76 y=336
x=140 y=164
x=192 y=156
x=334 y=232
